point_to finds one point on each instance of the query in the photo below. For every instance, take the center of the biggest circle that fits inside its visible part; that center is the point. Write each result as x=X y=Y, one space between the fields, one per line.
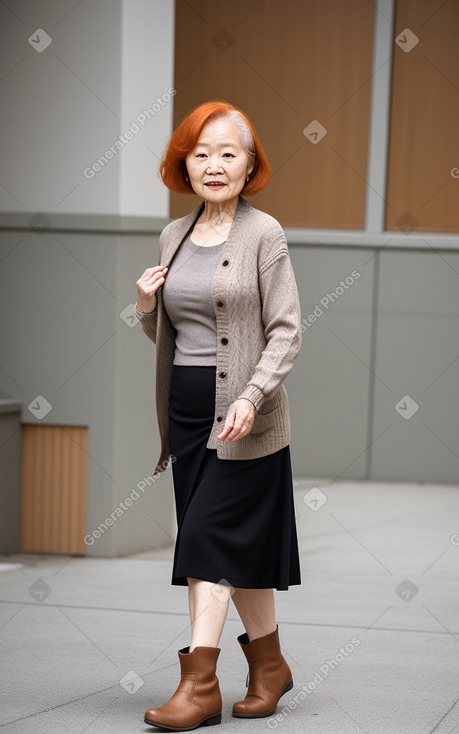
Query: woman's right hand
x=147 y=285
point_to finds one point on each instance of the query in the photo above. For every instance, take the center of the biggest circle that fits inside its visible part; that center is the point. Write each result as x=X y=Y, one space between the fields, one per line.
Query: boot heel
x=212 y=720
x=287 y=688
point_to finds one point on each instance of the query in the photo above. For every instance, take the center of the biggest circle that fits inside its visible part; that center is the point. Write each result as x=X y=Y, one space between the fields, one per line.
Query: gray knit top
x=259 y=331
x=187 y=296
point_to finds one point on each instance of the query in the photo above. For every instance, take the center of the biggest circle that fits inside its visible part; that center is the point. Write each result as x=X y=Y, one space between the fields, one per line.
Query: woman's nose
x=214 y=166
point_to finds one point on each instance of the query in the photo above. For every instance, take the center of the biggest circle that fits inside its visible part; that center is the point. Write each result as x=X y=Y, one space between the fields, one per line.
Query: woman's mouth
x=214 y=185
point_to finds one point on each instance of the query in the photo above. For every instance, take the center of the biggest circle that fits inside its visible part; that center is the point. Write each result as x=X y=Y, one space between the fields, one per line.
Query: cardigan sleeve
x=281 y=315
x=148 y=322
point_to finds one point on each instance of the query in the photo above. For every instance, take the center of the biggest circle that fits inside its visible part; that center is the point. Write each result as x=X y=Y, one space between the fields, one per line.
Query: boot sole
x=217 y=719
x=265 y=713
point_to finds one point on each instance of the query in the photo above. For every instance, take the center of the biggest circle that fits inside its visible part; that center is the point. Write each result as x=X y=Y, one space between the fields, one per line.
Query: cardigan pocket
x=264 y=421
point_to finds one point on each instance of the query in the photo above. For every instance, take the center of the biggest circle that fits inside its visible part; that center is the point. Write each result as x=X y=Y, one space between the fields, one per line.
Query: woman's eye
x=201 y=155
x=228 y=154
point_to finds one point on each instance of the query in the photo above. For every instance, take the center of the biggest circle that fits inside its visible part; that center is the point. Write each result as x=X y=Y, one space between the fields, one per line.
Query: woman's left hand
x=239 y=420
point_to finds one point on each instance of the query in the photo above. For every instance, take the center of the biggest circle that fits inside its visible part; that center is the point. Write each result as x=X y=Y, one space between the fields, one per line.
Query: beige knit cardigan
x=258 y=320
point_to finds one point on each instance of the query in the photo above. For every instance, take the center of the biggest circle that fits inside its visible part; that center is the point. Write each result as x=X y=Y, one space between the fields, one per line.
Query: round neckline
x=203 y=250
x=206 y=247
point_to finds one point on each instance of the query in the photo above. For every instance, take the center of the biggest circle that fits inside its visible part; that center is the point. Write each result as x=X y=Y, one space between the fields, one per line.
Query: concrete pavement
x=371 y=635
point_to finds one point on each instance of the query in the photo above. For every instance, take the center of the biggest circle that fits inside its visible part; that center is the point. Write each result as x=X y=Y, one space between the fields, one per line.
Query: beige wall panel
x=287 y=64
x=424 y=140
x=53 y=498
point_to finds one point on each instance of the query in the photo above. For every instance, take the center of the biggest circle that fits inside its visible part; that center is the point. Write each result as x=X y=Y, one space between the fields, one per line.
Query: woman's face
x=218 y=165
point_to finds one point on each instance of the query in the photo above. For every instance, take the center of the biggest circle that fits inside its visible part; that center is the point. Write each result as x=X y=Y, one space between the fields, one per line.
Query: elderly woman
x=222 y=307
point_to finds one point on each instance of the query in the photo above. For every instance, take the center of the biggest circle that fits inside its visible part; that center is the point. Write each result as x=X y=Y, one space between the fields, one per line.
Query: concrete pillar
x=87 y=107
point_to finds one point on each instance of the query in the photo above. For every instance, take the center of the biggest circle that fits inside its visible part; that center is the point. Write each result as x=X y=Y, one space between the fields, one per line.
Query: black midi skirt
x=235 y=518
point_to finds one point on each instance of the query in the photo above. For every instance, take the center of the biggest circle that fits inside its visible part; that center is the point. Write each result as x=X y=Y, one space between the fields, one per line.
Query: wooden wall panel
x=53 y=497
x=287 y=64
x=424 y=122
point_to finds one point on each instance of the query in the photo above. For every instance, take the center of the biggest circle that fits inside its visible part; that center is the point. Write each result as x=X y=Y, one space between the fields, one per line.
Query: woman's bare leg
x=208 y=604
x=257 y=611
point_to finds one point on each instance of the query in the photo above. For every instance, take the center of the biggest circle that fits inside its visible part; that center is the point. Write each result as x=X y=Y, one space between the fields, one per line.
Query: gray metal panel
x=64 y=339
x=61 y=340
x=420 y=283
x=418 y=356
x=60 y=107
x=62 y=336
x=378 y=143
x=149 y=521
x=329 y=385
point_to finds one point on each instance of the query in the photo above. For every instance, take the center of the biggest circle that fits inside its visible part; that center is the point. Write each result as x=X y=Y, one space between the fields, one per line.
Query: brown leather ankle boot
x=269 y=676
x=197 y=700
